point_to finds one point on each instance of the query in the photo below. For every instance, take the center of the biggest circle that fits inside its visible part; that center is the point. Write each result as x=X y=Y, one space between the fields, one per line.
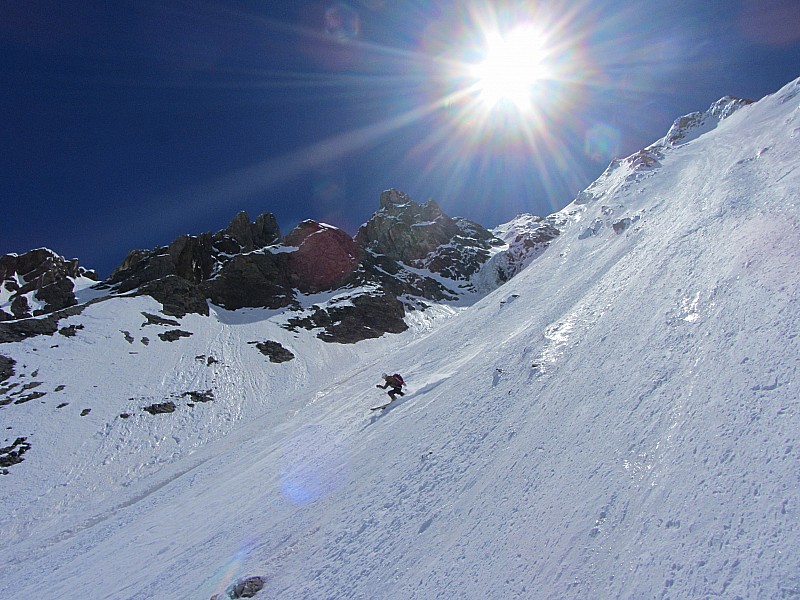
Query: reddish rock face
x=326 y=257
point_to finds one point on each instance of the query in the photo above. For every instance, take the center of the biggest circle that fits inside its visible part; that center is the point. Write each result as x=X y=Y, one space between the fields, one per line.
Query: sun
x=511 y=68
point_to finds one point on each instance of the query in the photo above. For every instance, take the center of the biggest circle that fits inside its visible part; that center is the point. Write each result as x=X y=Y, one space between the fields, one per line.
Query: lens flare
x=232 y=570
x=342 y=22
x=602 y=142
x=513 y=65
x=508 y=91
x=315 y=464
x=486 y=99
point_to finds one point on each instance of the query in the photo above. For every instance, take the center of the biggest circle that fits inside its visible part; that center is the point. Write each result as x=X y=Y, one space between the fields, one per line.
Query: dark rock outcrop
x=404 y=230
x=407 y=253
x=70 y=330
x=246 y=587
x=158 y=320
x=257 y=279
x=274 y=351
x=206 y=396
x=178 y=296
x=424 y=237
x=6 y=367
x=365 y=317
x=183 y=275
x=160 y=408
x=12 y=455
x=16 y=331
x=232 y=268
x=173 y=335
x=38 y=282
x=195 y=259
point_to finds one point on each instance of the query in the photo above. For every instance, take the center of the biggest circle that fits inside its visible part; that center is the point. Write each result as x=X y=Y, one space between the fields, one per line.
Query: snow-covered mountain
x=405 y=256
x=619 y=419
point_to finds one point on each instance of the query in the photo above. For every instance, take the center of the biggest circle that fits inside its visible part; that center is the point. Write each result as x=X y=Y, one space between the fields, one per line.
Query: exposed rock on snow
x=526 y=237
x=12 y=455
x=257 y=279
x=158 y=320
x=404 y=250
x=173 y=335
x=160 y=408
x=243 y=588
x=15 y=331
x=206 y=396
x=366 y=316
x=70 y=330
x=178 y=296
x=6 y=367
x=274 y=351
x=38 y=282
x=173 y=274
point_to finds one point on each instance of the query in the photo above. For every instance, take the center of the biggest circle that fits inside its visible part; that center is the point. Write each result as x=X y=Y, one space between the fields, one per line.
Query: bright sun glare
x=514 y=63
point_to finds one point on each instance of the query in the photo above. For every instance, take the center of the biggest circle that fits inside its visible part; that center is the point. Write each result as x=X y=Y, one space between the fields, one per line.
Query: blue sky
x=125 y=124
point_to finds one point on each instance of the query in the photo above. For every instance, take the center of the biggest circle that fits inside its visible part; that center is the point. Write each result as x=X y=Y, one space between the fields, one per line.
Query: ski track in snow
x=625 y=428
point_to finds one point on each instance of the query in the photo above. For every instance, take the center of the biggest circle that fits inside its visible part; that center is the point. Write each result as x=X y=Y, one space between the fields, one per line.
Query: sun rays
x=482 y=98
x=514 y=63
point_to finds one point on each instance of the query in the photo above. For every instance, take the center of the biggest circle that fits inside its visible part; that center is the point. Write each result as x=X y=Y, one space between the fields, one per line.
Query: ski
x=394 y=402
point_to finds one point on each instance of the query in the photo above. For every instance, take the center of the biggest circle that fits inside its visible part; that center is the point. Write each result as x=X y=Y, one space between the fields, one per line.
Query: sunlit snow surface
x=619 y=420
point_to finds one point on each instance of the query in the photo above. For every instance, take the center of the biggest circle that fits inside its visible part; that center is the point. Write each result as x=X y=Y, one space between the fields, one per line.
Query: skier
x=395 y=382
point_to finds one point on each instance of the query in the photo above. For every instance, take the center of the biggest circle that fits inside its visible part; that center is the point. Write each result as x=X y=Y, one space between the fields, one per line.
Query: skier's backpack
x=399 y=379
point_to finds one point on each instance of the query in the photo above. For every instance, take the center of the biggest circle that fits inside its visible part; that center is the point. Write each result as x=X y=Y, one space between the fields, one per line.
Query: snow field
x=619 y=420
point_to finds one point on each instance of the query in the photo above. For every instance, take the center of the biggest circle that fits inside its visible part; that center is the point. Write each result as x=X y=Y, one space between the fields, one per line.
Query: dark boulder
x=174 y=335
x=195 y=396
x=12 y=455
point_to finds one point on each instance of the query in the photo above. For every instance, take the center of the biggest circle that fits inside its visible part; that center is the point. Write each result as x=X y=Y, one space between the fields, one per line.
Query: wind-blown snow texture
x=620 y=420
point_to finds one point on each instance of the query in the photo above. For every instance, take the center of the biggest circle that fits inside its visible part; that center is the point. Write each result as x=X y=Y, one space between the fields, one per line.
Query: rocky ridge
x=622 y=173
x=406 y=256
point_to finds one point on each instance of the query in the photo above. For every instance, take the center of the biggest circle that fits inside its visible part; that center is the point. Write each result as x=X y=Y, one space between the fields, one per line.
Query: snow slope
x=619 y=420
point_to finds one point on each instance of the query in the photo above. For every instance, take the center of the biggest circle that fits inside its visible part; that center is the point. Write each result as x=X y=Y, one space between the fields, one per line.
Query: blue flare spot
x=342 y=22
x=602 y=142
